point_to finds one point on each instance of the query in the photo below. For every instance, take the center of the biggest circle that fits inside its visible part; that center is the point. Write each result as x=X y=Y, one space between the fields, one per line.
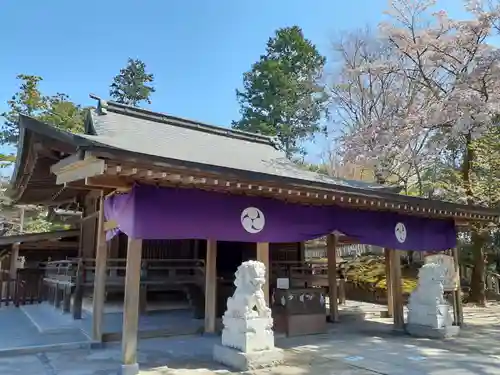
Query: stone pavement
x=351 y=348
x=17 y=331
x=371 y=350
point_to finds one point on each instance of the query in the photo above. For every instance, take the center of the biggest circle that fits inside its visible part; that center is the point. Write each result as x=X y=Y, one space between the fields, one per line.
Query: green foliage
x=369 y=271
x=56 y=110
x=64 y=114
x=6 y=160
x=40 y=224
x=486 y=168
x=28 y=100
x=281 y=93
x=130 y=86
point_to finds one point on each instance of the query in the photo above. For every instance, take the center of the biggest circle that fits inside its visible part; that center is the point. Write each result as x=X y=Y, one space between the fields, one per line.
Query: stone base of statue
x=429 y=315
x=427 y=332
x=241 y=361
x=434 y=322
x=247 y=337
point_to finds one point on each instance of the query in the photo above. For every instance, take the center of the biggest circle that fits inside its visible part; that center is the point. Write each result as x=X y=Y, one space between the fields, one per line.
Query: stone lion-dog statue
x=430 y=288
x=248 y=300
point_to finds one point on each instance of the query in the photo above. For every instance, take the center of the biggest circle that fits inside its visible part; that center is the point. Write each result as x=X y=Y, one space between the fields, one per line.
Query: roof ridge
x=127 y=110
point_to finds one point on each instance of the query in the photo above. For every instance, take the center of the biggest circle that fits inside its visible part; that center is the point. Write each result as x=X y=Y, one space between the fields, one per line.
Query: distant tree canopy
x=282 y=95
x=57 y=110
x=130 y=86
x=417 y=99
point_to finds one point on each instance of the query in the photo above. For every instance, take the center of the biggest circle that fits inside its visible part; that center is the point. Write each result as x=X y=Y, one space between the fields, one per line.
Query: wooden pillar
x=390 y=309
x=331 y=249
x=101 y=260
x=80 y=273
x=14 y=254
x=66 y=299
x=196 y=249
x=57 y=296
x=211 y=286
x=397 y=292
x=457 y=294
x=263 y=256
x=302 y=251
x=114 y=251
x=78 y=294
x=131 y=307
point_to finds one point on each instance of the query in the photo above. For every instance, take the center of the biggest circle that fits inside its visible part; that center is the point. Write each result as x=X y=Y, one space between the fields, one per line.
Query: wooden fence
x=25 y=288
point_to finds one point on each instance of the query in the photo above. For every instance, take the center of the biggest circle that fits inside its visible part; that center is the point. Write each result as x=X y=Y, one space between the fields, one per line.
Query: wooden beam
x=211 y=286
x=263 y=256
x=66 y=163
x=34 y=237
x=49 y=245
x=131 y=307
x=90 y=168
x=77 y=185
x=388 y=281
x=109 y=182
x=331 y=248
x=397 y=292
x=100 y=277
x=14 y=253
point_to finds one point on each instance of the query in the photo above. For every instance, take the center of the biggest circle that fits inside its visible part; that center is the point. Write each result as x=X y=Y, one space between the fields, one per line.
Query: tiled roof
x=144 y=132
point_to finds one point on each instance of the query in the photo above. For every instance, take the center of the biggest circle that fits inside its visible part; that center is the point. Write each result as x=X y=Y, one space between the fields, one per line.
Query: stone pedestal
x=247 y=361
x=429 y=315
x=247 y=337
x=129 y=369
x=436 y=317
x=247 y=344
x=419 y=330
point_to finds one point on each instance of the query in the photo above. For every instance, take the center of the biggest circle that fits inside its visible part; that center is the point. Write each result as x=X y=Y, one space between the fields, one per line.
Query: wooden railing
x=65 y=279
x=153 y=271
x=25 y=288
x=314 y=273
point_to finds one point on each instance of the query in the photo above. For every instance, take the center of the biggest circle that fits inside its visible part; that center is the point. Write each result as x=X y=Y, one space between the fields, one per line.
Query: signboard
x=283 y=283
x=451 y=275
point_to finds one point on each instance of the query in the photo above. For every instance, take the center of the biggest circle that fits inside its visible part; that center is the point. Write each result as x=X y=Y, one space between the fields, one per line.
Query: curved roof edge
x=29 y=129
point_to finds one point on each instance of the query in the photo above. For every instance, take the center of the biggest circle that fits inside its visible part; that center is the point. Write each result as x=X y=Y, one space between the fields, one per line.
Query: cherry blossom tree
x=440 y=81
x=372 y=102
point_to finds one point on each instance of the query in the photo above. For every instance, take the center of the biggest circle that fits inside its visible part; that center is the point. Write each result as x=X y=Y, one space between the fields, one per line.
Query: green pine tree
x=130 y=86
x=282 y=95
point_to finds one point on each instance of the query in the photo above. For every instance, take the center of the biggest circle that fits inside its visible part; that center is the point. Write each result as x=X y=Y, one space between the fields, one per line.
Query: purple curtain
x=150 y=212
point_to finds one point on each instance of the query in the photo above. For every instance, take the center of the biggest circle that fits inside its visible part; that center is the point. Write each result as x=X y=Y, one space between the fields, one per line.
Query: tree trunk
x=477 y=286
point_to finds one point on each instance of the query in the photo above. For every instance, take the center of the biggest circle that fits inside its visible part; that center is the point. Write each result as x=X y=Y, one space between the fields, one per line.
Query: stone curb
x=36 y=349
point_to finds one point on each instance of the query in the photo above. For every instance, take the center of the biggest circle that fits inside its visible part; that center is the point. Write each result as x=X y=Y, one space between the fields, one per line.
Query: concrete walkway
x=336 y=353
x=18 y=331
x=369 y=347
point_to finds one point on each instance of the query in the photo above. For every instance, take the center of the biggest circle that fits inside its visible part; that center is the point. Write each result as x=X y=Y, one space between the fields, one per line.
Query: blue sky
x=197 y=49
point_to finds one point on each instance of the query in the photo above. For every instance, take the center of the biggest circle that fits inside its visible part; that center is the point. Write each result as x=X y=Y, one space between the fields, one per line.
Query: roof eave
x=16 y=188
x=29 y=128
x=34 y=237
x=113 y=153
